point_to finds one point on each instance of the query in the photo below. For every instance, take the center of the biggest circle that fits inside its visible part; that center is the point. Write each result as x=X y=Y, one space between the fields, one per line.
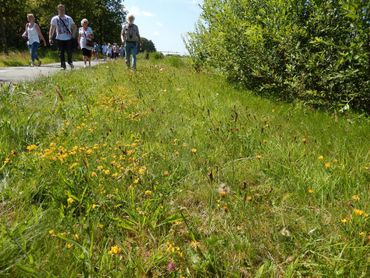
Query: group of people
x=112 y=51
x=65 y=31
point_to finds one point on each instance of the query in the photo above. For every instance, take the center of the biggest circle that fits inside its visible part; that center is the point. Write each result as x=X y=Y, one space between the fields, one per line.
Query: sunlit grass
x=167 y=172
x=22 y=58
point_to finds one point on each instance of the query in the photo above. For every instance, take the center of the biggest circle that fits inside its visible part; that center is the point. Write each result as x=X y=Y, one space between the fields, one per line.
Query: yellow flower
x=142 y=170
x=310 y=190
x=195 y=244
x=148 y=193
x=30 y=148
x=100 y=226
x=344 y=220
x=304 y=140
x=115 y=250
x=89 y=152
x=74 y=165
x=335 y=161
x=355 y=198
x=327 y=165
x=194 y=150
x=258 y=156
x=362 y=234
x=53 y=145
x=136 y=181
x=222 y=193
x=115 y=175
x=106 y=172
x=52 y=233
x=321 y=157
x=69 y=245
x=358 y=212
x=70 y=201
x=100 y=168
x=93 y=174
x=94 y=206
x=249 y=198
x=166 y=173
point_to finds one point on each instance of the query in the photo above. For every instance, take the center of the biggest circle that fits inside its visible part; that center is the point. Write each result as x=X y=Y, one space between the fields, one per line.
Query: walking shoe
x=63 y=66
x=71 y=65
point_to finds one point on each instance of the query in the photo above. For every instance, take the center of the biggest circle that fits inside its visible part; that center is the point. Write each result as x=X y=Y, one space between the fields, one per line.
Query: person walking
x=104 y=48
x=96 y=51
x=85 y=38
x=109 y=51
x=130 y=37
x=65 y=29
x=33 y=34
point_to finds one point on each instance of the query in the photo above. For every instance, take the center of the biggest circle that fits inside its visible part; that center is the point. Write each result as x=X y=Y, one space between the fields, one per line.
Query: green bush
x=315 y=51
x=157 y=55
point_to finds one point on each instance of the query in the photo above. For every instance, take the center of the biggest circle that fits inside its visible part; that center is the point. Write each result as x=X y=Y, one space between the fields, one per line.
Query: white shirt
x=32 y=34
x=84 y=34
x=104 y=49
x=63 y=33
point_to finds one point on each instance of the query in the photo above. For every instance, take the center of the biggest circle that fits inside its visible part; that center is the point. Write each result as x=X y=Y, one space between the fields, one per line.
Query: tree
x=12 y=23
x=147 y=45
x=105 y=16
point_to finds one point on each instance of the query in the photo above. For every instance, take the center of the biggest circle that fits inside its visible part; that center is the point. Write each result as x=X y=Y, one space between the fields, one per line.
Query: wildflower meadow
x=168 y=172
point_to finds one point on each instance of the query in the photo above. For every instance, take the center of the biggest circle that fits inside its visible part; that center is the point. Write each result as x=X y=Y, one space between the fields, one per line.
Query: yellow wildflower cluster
x=173 y=249
x=115 y=250
x=8 y=159
x=359 y=212
x=30 y=148
x=113 y=161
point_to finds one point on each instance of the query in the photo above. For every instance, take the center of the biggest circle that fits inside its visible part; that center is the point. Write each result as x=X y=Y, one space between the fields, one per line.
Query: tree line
x=105 y=17
x=317 y=51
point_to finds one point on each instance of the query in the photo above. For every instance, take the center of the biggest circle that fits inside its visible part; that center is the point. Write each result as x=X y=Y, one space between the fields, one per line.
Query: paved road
x=20 y=74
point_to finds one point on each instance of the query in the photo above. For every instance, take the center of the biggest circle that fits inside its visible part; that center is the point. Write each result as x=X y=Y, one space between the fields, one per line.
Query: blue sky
x=165 y=21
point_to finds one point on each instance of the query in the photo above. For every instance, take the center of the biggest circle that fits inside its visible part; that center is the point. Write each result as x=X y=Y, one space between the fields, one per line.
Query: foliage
x=147 y=45
x=315 y=51
x=105 y=17
x=171 y=173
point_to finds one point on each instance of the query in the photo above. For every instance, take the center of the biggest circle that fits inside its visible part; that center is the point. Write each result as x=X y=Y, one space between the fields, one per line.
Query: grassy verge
x=22 y=58
x=165 y=172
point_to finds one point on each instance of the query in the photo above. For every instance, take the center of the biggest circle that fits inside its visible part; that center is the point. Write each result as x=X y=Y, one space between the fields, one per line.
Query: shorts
x=86 y=52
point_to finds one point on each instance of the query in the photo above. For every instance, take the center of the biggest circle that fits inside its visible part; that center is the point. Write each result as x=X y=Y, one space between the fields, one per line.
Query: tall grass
x=167 y=172
x=22 y=58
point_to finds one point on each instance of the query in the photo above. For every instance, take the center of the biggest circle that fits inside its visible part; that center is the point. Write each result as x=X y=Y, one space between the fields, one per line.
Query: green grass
x=22 y=58
x=167 y=172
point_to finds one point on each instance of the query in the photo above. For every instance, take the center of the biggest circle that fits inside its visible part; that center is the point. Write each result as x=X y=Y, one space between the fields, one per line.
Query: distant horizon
x=165 y=22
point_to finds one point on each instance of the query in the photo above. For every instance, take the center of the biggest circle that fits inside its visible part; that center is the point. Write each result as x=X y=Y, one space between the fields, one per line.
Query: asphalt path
x=22 y=74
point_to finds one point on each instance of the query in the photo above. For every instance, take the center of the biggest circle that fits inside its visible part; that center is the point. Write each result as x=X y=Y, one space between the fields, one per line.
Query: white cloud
x=136 y=11
x=146 y=13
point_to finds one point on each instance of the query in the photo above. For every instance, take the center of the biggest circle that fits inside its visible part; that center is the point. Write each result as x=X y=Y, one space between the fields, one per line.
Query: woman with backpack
x=85 y=39
x=33 y=35
x=131 y=39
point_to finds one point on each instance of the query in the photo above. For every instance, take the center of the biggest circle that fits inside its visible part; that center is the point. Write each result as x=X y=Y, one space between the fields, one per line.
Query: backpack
x=131 y=33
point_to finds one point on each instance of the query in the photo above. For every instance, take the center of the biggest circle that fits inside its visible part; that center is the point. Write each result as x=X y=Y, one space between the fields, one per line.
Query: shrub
x=315 y=51
x=157 y=55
